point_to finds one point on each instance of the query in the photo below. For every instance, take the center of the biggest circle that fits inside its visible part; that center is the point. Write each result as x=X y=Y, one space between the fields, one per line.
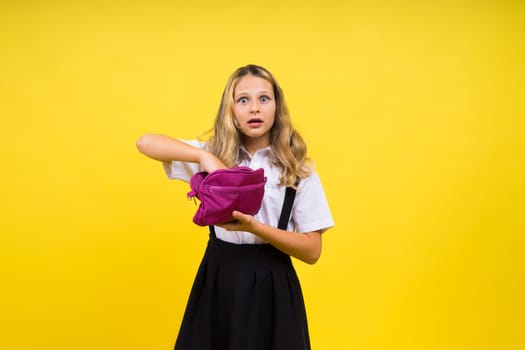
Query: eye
x=264 y=98
x=243 y=100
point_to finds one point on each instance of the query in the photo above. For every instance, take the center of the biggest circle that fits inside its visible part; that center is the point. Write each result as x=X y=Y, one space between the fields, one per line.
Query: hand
x=210 y=162
x=244 y=222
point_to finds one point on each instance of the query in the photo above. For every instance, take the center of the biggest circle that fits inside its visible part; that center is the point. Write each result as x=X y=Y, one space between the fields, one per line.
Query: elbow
x=311 y=260
x=313 y=257
x=143 y=143
x=313 y=253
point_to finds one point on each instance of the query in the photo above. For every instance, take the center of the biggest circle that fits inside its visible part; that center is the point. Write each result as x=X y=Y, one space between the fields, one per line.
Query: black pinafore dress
x=245 y=297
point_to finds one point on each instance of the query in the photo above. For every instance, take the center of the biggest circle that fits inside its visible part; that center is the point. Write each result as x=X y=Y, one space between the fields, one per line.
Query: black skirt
x=245 y=297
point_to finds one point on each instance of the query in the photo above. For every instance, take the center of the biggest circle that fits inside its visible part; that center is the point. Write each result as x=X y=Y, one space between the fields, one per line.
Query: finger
x=239 y=216
x=230 y=226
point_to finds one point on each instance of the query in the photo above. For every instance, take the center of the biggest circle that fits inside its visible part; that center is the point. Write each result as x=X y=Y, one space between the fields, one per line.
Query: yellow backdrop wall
x=413 y=112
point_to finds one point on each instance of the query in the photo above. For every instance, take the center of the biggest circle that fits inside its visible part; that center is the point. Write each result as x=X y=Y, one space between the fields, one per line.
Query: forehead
x=252 y=84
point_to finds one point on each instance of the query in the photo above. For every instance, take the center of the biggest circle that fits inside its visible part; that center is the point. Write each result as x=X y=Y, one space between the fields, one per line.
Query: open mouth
x=255 y=121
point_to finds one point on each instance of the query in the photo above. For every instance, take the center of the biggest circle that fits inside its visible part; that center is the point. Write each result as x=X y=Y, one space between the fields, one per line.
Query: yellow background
x=413 y=112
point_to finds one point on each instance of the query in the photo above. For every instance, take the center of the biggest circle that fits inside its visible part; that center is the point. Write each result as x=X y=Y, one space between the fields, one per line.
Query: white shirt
x=310 y=211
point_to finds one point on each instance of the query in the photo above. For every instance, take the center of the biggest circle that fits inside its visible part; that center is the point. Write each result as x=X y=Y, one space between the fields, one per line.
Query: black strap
x=286 y=211
x=289 y=197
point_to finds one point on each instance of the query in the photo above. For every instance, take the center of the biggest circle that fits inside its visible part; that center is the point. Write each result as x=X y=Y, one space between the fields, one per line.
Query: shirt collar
x=244 y=153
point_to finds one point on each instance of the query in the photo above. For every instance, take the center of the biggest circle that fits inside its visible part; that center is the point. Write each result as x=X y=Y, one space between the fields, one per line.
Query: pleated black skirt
x=245 y=297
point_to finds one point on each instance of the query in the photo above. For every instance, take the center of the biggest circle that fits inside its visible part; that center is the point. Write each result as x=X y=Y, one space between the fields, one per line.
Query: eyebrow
x=258 y=92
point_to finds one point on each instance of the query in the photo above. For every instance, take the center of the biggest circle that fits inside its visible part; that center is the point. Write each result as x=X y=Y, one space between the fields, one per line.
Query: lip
x=255 y=122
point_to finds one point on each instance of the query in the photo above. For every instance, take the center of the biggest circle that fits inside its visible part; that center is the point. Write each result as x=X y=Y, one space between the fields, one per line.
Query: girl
x=246 y=294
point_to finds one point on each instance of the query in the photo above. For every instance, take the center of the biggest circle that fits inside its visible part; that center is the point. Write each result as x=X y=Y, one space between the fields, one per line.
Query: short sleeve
x=311 y=211
x=178 y=170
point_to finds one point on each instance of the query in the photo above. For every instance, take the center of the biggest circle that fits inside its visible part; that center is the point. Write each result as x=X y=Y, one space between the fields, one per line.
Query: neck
x=253 y=145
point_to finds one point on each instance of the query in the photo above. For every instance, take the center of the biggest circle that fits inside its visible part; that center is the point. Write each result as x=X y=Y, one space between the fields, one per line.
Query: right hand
x=210 y=162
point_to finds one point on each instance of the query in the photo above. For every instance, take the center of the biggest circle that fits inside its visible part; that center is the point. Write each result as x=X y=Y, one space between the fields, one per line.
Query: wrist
x=258 y=228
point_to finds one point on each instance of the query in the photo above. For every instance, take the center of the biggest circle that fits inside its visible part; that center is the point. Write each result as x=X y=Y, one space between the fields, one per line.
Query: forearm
x=303 y=246
x=165 y=148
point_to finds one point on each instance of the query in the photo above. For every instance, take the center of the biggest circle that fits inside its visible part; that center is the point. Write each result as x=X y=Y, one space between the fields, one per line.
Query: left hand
x=244 y=222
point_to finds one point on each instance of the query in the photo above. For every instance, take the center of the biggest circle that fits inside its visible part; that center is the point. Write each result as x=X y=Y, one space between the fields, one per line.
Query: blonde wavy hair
x=288 y=146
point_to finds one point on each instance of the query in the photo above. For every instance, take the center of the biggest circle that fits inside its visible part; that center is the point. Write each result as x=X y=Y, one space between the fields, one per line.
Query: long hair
x=288 y=146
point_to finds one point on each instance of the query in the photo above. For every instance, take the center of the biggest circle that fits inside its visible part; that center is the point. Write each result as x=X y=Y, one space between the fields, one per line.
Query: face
x=254 y=110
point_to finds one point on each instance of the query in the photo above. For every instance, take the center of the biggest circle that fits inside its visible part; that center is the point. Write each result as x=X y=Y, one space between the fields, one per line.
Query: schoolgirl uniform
x=246 y=295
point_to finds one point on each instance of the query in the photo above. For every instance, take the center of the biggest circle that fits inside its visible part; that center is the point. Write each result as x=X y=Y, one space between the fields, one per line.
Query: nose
x=254 y=107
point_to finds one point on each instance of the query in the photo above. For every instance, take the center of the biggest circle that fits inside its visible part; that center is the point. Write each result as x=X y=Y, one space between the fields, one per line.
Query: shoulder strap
x=289 y=197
